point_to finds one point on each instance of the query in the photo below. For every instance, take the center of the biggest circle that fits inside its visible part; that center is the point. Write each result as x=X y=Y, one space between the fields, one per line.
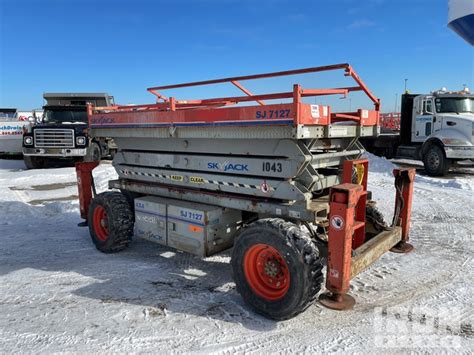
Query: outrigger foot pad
x=83 y=224
x=337 y=301
x=402 y=248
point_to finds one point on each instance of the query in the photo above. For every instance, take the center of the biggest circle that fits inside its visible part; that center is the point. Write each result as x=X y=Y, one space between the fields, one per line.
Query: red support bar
x=172 y=104
x=252 y=77
x=297 y=99
x=404 y=184
x=85 y=186
x=345 y=116
x=319 y=92
x=351 y=72
x=170 y=111
x=245 y=91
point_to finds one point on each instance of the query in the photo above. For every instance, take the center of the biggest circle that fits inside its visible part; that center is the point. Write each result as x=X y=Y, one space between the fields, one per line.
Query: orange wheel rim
x=266 y=272
x=100 y=223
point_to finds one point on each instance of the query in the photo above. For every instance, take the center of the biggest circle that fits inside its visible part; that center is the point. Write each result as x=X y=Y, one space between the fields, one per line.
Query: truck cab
x=438 y=129
x=63 y=132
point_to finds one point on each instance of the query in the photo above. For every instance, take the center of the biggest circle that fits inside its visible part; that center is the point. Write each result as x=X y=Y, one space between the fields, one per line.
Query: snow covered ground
x=59 y=294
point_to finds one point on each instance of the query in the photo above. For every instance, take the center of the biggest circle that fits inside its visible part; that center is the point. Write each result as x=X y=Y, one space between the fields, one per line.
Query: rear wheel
x=435 y=162
x=276 y=268
x=110 y=222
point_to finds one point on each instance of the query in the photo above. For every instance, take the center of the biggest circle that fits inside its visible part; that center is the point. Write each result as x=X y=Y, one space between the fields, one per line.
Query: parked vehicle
x=435 y=128
x=12 y=124
x=63 y=132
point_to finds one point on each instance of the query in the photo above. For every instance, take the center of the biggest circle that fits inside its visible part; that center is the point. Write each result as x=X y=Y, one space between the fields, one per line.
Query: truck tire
x=276 y=268
x=435 y=162
x=94 y=153
x=110 y=222
x=33 y=162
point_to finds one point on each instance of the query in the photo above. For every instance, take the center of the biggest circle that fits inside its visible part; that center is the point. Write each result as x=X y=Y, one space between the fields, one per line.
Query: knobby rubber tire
x=301 y=257
x=375 y=218
x=120 y=222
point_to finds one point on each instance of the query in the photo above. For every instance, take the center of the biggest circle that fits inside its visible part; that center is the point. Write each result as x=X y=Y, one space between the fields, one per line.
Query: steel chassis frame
x=348 y=251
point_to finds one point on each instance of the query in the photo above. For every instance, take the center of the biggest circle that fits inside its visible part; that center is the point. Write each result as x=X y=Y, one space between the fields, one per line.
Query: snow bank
x=379 y=164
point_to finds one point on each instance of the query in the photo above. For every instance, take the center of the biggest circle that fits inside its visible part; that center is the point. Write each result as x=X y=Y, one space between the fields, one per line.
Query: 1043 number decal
x=272 y=167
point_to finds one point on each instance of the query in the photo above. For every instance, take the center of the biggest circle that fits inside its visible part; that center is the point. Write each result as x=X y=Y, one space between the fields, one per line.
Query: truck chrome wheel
x=435 y=162
x=433 y=159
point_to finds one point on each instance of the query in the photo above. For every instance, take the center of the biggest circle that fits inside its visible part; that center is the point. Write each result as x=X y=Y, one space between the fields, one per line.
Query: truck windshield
x=455 y=104
x=64 y=116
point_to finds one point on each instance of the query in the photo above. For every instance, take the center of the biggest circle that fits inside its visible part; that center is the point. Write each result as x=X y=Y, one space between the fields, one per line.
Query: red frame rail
x=171 y=111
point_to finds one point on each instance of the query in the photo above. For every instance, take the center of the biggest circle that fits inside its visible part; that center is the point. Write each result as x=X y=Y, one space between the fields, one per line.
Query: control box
x=196 y=228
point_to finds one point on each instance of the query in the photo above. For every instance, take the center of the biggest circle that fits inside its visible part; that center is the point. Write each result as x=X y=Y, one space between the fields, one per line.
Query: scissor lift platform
x=280 y=166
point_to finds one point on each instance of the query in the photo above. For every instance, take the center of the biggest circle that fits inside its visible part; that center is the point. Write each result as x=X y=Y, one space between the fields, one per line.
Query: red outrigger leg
x=348 y=252
x=85 y=186
x=404 y=181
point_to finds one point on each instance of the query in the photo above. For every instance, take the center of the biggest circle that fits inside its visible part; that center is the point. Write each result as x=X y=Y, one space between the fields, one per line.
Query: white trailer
x=12 y=122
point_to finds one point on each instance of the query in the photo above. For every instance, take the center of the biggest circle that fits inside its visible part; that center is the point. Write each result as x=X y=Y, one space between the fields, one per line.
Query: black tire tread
x=375 y=216
x=121 y=221
x=304 y=246
x=444 y=165
x=33 y=162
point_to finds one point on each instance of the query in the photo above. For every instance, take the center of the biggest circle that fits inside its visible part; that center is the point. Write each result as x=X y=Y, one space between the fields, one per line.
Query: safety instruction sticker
x=196 y=180
x=337 y=222
x=315 y=111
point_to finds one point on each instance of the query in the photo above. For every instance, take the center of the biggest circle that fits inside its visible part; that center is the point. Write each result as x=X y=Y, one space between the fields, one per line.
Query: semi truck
x=436 y=128
x=63 y=132
x=283 y=183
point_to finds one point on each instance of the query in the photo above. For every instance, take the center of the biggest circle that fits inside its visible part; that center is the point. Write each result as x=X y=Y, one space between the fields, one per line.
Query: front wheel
x=110 y=222
x=33 y=162
x=435 y=162
x=276 y=268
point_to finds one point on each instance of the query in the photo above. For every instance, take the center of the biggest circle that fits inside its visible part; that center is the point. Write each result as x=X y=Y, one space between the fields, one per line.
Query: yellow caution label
x=196 y=179
x=176 y=177
x=360 y=172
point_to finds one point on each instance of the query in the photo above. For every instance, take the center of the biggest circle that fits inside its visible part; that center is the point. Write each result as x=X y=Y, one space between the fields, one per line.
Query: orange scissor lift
x=288 y=180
